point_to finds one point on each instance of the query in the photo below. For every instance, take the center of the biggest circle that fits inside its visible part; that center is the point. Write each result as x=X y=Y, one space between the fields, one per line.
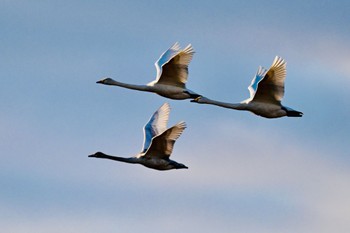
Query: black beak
x=101 y=81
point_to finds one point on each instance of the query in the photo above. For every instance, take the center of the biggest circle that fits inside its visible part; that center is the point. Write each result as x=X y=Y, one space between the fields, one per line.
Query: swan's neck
x=237 y=106
x=129 y=86
x=116 y=158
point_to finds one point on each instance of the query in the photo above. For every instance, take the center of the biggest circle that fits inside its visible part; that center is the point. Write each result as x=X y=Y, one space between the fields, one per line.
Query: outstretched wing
x=156 y=125
x=162 y=145
x=271 y=87
x=260 y=74
x=172 y=66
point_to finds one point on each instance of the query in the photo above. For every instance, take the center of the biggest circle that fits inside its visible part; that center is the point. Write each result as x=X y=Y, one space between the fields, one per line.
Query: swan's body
x=172 y=74
x=158 y=143
x=266 y=93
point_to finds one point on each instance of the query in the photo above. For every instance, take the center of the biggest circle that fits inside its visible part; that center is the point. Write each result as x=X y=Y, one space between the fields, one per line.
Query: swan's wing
x=172 y=66
x=156 y=125
x=162 y=145
x=260 y=74
x=271 y=88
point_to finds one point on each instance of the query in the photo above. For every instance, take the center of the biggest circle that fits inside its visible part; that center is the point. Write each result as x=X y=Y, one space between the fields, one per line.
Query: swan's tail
x=292 y=113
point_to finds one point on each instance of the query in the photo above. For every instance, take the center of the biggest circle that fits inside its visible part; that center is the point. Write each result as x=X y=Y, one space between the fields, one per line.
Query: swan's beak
x=91 y=156
x=100 y=81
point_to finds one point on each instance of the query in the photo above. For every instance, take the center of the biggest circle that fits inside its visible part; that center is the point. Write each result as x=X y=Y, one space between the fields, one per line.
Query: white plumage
x=172 y=75
x=266 y=93
x=158 y=143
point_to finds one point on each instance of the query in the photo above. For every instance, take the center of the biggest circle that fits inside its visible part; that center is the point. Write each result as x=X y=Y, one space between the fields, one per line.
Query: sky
x=246 y=173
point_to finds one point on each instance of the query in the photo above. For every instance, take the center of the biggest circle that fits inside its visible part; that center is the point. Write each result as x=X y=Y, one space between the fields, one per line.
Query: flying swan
x=158 y=143
x=266 y=93
x=172 y=73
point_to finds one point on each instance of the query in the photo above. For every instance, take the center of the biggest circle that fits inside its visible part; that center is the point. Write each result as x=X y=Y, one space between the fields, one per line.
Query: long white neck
x=129 y=86
x=237 y=106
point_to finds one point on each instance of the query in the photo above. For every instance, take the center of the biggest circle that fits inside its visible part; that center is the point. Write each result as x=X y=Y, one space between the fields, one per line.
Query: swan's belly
x=266 y=110
x=171 y=92
x=158 y=164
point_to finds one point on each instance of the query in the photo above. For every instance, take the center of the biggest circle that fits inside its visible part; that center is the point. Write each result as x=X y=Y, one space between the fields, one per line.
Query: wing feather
x=156 y=125
x=271 y=87
x=162 y=145
x=260 y=74
x=172 y=66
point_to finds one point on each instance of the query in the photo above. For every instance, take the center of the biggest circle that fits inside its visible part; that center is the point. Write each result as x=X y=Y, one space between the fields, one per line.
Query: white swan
x=266 y=93
x=172 y=73
x=158 y=143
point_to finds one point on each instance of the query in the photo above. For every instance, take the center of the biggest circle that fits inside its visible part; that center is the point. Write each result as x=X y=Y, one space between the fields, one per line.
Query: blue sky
x=246 y=173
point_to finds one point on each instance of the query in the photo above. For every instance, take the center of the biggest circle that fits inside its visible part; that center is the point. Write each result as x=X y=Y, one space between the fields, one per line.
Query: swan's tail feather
x=292 y=113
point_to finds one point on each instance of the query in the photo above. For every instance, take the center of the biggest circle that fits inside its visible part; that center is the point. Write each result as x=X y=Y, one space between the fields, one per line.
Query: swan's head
x=97 y=155
x=105 y=81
